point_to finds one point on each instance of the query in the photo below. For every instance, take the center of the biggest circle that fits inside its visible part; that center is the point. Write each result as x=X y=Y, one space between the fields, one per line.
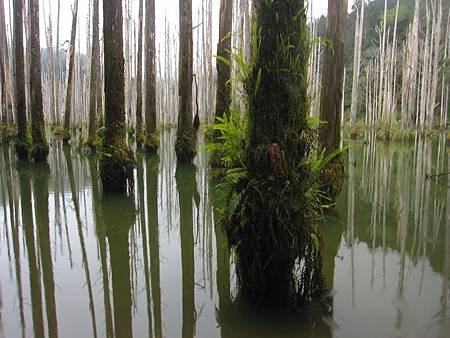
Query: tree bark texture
x=152 y=142
x=94 y=95
x=223 y=96
x=40 y=147
x=21 y=113
x=70 y=74
x=333 y=74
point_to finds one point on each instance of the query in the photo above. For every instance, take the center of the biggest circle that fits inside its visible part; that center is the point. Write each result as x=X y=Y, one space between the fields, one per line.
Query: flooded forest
x=224 y=168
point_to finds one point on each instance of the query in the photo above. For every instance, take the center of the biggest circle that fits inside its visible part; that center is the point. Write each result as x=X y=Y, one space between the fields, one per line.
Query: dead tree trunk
x=116 y=161
x=186 y=136
x=139 y=134
x=21 y=113
x=333 y=73
x=68 y=106
x=152 y=140
x=223 y=63
x=331 y=96
x=4 y=95
x=40 y=148
x=357 y=62
x=95 y=64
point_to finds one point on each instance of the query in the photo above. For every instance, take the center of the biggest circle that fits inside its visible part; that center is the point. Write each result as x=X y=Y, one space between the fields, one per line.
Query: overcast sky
x=164 y=8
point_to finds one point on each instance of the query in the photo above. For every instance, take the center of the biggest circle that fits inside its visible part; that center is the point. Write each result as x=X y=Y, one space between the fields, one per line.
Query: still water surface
x=76 y=263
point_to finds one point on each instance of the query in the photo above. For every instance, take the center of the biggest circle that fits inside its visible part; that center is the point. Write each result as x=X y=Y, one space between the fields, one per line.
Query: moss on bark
x=271 y=218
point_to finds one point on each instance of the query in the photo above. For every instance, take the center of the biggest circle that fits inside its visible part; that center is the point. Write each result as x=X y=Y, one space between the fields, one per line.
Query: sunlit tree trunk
x=94 y=95
x=152 y=141
x=40 y=147
x=223 y=63
x=186 y=135
x=21 y=114
x=116 y=161
x=70 y=75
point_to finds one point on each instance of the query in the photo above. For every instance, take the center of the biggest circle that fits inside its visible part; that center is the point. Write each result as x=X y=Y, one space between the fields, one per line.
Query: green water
x=76 y=263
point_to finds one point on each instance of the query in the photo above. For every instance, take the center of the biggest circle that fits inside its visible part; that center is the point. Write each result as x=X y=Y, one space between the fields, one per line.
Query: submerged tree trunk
x=331 y=96
x=186 y=135
x=19 y=92
x=223 y=62
x=68 y=107
x=139 y=134
x=40 y=148
x=116 y=161
x=270 y=219
x=152 y=140
x=94 y=95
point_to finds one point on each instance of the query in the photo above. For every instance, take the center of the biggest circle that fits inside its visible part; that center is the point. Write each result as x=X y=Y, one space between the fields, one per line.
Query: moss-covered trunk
x=223 y=95
x=272 y=224
x=21 y=114
x=116 y=161
x=40 y=148
x=152 y=141
x=70 y=73
x=186 y=135
x=94 y=95
x=331 y=97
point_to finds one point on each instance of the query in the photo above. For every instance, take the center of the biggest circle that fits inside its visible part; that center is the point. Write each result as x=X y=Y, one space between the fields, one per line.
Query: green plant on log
x=270 y=217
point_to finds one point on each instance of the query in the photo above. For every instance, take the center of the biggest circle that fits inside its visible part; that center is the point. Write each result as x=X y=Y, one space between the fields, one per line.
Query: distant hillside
x=373 y=16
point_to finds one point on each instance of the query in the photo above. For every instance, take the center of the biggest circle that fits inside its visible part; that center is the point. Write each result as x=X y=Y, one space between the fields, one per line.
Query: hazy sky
x=164 y=8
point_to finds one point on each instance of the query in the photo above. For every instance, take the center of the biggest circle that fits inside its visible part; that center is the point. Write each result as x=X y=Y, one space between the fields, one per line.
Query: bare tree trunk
x=69 y=92
x=58 y=69
x=186 y=136
x=357 y=62
x=152 y=141
x=40 y=147
x=51 y=64
x=95 y=64
x=223 y=63
x=4 y=95
x=116 y=161
x=333 y=73
x=22 y=142
x=139 y=133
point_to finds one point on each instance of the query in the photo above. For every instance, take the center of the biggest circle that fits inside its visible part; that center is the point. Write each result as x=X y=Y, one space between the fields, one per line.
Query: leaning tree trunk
x=186 y=135
x=19 y=92
x=270 y=220
x=152 y=140
x=93 y=87
x=40 y=148
x=331 y=96
x=223 y=62
x=68 y=107
x=116 y=161
x=139 y=135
